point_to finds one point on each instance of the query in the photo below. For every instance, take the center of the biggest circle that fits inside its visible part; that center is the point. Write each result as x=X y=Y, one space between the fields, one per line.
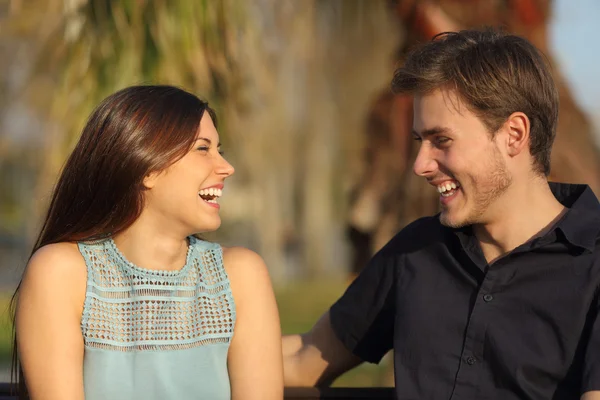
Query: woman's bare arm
x=48 y=317
x=255 y=358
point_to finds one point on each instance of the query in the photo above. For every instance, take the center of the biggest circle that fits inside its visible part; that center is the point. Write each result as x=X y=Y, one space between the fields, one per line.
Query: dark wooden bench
x=291 y=393
x=298 y=393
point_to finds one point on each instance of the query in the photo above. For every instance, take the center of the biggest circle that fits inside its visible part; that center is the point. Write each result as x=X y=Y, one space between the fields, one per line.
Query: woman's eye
x=206 y=149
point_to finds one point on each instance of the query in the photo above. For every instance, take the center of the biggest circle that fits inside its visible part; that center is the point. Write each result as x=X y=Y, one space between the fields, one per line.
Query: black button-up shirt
x=524 y=327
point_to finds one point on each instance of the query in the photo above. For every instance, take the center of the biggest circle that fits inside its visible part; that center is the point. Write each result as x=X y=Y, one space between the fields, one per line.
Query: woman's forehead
x=207 y=129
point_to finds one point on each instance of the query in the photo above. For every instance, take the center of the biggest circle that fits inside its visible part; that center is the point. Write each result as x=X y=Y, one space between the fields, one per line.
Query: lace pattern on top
x=130 y=308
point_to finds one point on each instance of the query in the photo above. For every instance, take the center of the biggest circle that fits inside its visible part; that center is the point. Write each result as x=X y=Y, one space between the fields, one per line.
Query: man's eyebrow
x=433 y=131
x=208 y=141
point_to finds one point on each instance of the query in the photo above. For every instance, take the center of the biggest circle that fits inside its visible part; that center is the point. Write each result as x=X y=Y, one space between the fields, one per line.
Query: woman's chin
x=208 y=226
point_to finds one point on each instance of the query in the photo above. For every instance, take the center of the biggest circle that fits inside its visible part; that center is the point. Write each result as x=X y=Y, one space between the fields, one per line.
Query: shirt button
x=488 y=297
x=471 y=360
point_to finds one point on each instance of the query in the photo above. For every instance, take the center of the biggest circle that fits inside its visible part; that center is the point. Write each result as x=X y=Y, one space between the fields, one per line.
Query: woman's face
x=185 y=195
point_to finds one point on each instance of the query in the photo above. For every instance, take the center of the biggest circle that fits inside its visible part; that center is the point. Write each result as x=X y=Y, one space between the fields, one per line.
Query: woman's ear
x=150 y=179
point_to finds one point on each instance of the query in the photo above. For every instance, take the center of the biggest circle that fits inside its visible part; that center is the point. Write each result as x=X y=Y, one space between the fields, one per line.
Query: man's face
x=459 y=157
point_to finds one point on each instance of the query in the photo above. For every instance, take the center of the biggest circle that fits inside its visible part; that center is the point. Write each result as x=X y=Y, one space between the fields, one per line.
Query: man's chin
x=451 y=221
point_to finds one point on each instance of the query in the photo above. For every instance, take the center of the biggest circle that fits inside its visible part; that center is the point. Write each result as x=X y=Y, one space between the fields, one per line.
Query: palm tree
x=290 y=81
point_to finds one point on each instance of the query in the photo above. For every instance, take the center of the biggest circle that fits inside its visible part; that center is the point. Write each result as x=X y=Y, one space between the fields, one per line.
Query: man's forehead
x=442 y=112
x=439 y=101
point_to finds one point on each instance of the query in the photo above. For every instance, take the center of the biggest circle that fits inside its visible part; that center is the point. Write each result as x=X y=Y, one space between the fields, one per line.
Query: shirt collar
x=581 y=224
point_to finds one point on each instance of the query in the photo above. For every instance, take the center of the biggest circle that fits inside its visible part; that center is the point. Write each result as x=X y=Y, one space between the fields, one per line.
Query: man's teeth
x=446 y=188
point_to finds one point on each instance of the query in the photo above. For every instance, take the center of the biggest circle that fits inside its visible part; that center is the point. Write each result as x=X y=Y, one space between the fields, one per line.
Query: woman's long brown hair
x=100 y=191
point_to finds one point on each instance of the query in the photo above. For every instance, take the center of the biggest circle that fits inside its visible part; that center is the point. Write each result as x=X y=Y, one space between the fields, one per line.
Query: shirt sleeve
x=363 y=318
x=591 y=365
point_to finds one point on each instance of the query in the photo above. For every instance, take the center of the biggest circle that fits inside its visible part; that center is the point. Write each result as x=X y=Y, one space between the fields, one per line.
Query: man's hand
x=316 y=358
x=595 y=395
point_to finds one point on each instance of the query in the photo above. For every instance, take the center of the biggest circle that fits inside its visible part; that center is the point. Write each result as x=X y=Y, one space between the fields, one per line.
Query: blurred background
x=322 y=148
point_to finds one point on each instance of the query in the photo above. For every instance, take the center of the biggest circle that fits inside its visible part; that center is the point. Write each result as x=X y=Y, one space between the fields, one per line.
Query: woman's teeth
x=211 y=192
x=210 y=195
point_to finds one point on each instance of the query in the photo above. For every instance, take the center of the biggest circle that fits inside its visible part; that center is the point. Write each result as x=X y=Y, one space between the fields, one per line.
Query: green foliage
x=103 y=46
x=5 y=330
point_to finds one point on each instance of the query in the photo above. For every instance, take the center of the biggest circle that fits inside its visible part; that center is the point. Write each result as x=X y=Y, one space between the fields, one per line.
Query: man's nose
x=424 y=165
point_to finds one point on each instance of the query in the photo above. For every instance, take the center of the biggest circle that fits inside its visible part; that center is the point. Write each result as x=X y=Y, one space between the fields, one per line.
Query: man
x=497 y=296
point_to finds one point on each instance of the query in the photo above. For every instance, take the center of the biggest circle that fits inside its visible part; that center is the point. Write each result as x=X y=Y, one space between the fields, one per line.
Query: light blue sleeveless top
x=153 y=334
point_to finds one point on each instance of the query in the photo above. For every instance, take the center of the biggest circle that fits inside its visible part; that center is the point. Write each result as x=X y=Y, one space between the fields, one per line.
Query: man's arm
x=358 y=327
x=590 y=377
x=593 y=395
x=317 y=357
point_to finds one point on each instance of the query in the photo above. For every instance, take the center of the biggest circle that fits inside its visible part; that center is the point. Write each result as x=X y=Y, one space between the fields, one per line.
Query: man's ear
x=517 y=127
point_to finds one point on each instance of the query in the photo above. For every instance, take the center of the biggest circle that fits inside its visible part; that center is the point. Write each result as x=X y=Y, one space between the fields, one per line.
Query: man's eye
x=442 y=140
x=417 y=138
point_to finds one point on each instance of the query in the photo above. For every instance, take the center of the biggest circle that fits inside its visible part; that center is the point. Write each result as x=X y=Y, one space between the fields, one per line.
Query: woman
x=119 y=299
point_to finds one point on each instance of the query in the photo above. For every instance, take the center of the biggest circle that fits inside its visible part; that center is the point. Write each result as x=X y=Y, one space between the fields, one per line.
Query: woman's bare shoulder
x=55 y=258
x=241 y=257
x=56 y=267
x=50 y=304
x=246 y=268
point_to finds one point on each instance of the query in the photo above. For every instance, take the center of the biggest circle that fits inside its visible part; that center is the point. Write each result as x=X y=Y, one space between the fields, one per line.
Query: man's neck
x=523 y=212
